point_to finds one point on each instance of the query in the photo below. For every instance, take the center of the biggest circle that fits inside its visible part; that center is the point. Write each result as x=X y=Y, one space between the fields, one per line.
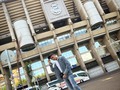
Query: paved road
x=110 y=81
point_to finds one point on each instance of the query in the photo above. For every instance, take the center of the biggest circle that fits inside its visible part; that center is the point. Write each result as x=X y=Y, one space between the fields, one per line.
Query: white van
x=82 y=75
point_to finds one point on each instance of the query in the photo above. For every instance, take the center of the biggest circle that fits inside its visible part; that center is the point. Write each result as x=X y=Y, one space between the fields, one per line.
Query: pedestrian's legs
x=68 y=84
x=74 y=84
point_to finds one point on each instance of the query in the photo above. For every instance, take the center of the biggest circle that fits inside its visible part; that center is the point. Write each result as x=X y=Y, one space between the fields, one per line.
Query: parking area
x=109 y=81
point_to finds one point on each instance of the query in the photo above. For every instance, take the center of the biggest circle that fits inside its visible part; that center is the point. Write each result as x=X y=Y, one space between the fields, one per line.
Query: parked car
x=82 y=75
x=54 y=88
x=33 y=88
x=79 y=76
x=52 y=83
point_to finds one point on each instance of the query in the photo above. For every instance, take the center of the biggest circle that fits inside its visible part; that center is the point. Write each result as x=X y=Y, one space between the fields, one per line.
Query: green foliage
x=23 y=82
x=4 y=87
x=41 y=75
x=29 y=70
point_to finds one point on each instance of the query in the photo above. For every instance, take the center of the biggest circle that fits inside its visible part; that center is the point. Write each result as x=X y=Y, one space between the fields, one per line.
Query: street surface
x=109 y=81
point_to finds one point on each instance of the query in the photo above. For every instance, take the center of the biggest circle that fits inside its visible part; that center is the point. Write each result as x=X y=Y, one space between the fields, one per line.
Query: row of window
x=38 y=70
x=78 y=32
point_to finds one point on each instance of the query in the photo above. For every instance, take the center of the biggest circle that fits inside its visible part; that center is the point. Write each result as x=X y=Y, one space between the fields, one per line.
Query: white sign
x=55 y=10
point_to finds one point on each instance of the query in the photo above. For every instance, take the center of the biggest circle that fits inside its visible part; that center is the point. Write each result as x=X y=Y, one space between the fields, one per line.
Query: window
x=115 y=43
x=36 y=65
x=63 y=37
x=82 y=74
x=53 y=83
x=97 y=44
x=101 y=49
x=114 y=37
x=37 y=69
x=80 y=31
x=85 y=53
x=83 y=49
x=39 y=73
x=46 y=42
x=47 y=66
x=111 y=22
x=21 y=70
x=71 y=58
x=23 y=77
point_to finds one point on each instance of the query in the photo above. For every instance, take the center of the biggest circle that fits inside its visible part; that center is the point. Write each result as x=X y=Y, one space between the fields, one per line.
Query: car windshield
x=53 y=83
x=74 y=75
x=81 y=74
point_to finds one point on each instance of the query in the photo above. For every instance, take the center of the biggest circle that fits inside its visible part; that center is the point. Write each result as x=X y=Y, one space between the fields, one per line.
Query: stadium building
x=86 y=32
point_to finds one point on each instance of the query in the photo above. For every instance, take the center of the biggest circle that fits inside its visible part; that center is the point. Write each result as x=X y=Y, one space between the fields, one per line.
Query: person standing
x=62 y=70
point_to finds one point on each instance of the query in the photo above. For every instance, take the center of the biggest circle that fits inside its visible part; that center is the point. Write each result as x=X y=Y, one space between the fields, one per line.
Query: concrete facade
x=107 y=34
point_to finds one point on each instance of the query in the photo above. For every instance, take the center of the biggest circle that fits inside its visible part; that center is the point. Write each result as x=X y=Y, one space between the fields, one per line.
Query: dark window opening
x=76 y=19
x=78 y=68
x=5 y=40
x=97 y=26
x=53 y=77
x=42 y=29
x=91 y=64
x=118 y=53
x=107 y=59
x=60 y=23
x=104 y=6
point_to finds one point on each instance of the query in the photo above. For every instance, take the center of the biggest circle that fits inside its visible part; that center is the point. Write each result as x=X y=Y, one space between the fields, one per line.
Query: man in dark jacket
x=62 y=69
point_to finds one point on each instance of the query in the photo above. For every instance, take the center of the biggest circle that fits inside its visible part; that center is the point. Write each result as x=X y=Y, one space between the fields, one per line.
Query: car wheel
x=81 y=80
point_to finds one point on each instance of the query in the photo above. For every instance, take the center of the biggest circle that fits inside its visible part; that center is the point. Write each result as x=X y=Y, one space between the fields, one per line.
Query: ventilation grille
x=3 y=24
x=35 y=11
x=104 y=6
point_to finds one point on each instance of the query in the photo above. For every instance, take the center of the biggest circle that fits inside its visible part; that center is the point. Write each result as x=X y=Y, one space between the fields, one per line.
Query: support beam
x=7 y=16
x=106 y=29
x=55 y=37
x=28 y=17
x=80 y=60
x=111 y=50
x=97 y=56
x=6 y=75
x=118 y=35
x=90 y=31
x=7 y=79
x=22 y=63
x=34 y=36
x=97 y=4
x=81 y=9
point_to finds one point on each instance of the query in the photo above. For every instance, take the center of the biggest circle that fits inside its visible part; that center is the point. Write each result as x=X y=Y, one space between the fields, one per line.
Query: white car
x=52 y=83
x=62 y=84
x=79 y=77
x=82 y=75
x=54 y=88
x=33 y=88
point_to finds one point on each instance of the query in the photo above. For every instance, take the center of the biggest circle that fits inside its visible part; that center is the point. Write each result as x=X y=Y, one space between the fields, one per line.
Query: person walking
x=62 y=70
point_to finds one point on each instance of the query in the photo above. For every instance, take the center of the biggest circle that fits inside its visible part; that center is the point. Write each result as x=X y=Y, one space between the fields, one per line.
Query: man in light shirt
x=62 y=69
